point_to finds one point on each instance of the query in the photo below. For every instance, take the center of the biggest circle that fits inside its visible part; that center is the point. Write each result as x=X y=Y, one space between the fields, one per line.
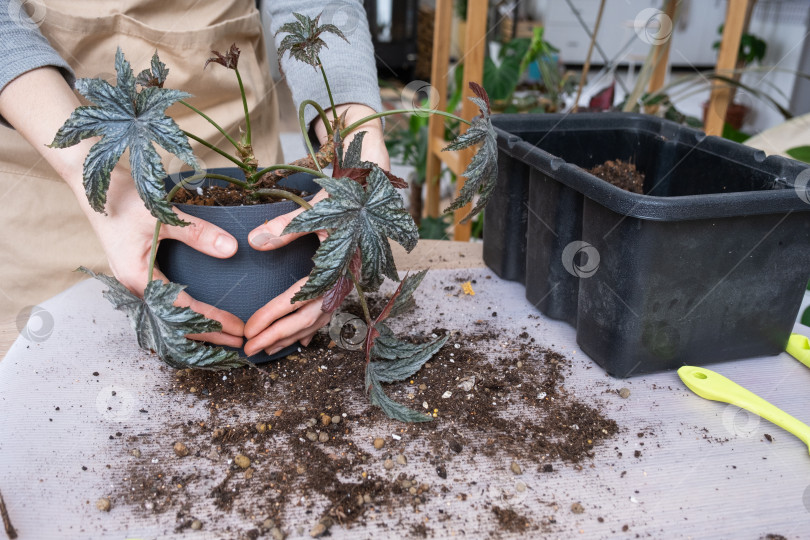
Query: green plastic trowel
x=799 y=347
x=710 y=385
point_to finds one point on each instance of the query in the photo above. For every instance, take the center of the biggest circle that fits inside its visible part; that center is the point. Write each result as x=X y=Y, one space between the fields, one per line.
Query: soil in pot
x=621 y=174
x=226 y=196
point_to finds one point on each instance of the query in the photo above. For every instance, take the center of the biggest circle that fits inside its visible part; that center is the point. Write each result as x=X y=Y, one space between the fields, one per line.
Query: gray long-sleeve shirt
x=350 y=66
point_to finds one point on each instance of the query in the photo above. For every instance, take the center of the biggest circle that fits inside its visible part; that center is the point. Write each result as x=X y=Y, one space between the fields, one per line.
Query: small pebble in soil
x=180 y=449
x=423 y=387
x=520 y=486
x=135 y=452
x=624 y=393
x=249 y=474
x=379 y=443
x=336 y=419
x=577 y=508
x=261 y=427
x=196 y=524
x=402 y=460
x=277 y=533
x=447 y=394
x=318 y=530
x=441 y=471
x=242 y=461
x=326 y=419
x=323 y=437
x=311 y=422
x=312 y=436
x=104 y=504
x=388 y=464
x=515 y=466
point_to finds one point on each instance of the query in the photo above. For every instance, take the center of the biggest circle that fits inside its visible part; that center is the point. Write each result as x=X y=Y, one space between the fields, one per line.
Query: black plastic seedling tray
x=710 y=264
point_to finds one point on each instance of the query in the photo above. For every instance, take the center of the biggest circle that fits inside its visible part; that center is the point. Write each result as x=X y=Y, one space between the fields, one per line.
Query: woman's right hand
x=37 y=103
x=126 y=235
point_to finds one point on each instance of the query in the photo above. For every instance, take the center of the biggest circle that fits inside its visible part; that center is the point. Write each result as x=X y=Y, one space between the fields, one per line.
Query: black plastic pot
x=247 y=281
x=710 y=264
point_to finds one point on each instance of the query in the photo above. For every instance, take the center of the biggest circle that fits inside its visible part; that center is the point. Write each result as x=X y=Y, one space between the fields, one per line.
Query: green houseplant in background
x=501 y=79
x=363 y=210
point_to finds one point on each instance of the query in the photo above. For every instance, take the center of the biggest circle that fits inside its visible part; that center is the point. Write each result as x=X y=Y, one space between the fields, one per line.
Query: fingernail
x=265 y=239
x=225 y=244
x=273 y=351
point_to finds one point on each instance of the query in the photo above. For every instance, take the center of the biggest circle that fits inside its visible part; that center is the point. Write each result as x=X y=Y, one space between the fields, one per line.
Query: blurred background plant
x=547 y=86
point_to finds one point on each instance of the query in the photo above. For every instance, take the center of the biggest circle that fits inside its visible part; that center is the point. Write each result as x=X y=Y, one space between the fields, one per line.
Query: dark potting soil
x=621 y=174
x=507 y=407
x=225 y=196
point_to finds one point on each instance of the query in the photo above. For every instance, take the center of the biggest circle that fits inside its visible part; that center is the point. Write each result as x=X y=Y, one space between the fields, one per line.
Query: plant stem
x=258 y=174
x=153 y=251
x=222 y=153
x=345 y=131
x=6 y=519
x=210 y=121
x=328 y=90
x=321 y=113
x=282 y=194
x=362 y=296
x=245 y=105
x=303 y=124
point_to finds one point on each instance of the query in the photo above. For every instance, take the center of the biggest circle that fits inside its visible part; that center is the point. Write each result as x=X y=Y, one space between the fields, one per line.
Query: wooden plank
x=584 y=76
x=451 y=159
x=662 y=66
x=438 y=79
x=475 y=48
x=736 y=16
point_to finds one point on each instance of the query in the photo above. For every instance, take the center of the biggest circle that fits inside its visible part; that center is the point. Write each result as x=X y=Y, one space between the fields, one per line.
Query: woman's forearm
x=37 y=103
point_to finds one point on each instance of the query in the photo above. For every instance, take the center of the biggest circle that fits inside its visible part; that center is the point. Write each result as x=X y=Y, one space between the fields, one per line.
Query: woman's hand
x=126 y=236
x=280 y=323
x=37 y=103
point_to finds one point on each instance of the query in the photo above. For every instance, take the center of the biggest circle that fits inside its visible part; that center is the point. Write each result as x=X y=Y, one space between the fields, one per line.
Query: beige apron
x=45 y=235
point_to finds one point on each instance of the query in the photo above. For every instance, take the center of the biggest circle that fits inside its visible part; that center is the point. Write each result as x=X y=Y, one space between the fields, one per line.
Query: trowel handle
x=799 y=347
x=710 y=385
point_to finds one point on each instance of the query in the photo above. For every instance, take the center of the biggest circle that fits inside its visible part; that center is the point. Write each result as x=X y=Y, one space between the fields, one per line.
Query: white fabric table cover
x=724 y=481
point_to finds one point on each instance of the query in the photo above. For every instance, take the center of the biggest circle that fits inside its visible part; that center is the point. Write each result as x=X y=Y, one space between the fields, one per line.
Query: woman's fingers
x=269 y=235
x=304 y=337
x=302 y=323
x=201 y=235
x=232 y=326
x=275 y=309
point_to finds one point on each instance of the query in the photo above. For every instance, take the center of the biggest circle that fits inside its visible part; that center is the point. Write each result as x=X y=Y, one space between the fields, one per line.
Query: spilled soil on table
x=301 y=432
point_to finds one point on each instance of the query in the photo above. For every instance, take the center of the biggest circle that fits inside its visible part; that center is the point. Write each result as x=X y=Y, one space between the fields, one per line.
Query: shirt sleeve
x=23 y=47
x=350 y=67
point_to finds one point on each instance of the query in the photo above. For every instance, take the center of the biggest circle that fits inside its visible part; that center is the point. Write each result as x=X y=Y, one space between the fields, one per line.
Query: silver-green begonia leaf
x=127 y=119
x=161 y=326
